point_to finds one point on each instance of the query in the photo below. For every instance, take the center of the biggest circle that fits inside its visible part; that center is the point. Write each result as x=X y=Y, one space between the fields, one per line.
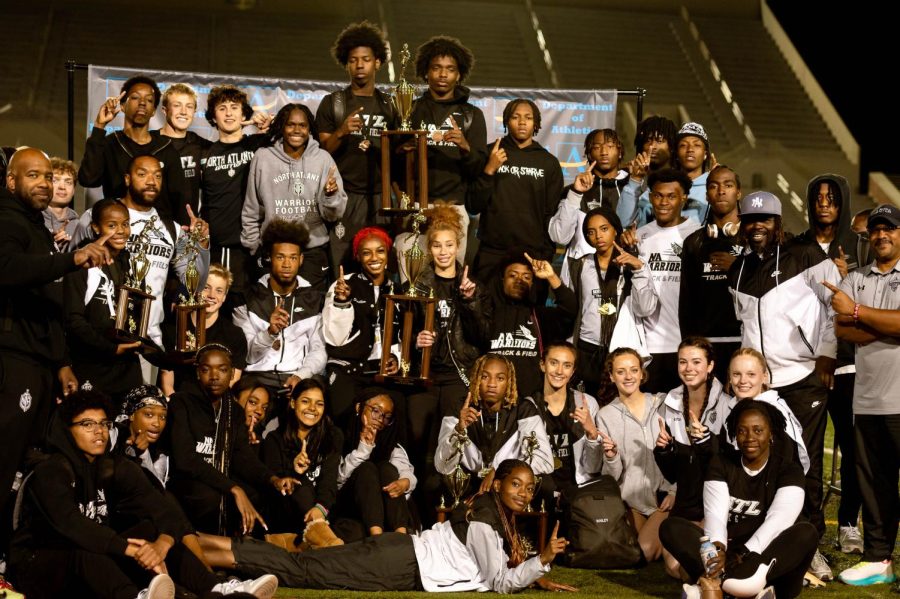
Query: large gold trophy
x=135 y=296
x=458 y=480
x=416 y=261
x=190 y=312
x=415 y=180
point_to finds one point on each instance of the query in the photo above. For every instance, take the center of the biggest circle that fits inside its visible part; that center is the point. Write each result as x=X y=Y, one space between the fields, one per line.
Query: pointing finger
x=465 y=272
x=843 y=255
x=529 y=258
x=190 y=213
x=341 y=272
x=331 y=171
x=496 y=145
x=830 y=286
x=555 y=530
x=105 y=238
x=357 y=112
x=303 y=446
x=590 y=169
x=453 y=123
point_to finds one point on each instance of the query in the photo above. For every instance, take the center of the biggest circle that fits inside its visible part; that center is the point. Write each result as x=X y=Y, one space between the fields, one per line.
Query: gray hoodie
x=281 y=187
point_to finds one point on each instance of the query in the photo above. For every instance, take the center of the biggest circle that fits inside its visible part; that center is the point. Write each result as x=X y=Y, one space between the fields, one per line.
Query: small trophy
x=458 y=480
x=529 y=446
x=135 y=296
x=415 y=265
x=190 y=323
x=416 y=177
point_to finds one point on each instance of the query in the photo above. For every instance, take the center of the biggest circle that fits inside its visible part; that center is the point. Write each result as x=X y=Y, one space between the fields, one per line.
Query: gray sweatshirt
x=280 y=187
x=634 y=466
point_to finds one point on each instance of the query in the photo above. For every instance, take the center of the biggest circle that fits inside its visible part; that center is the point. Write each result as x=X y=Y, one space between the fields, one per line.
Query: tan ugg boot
x=285 y=540
x=318 y=534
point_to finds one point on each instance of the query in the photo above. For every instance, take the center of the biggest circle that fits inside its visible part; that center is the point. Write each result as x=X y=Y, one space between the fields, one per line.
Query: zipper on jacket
x=805 y=342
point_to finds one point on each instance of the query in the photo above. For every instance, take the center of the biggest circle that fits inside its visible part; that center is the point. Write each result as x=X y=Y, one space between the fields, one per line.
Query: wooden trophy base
x=416 y=176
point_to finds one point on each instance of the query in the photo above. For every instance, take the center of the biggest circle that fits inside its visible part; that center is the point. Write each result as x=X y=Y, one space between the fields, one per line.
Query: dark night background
x=851 y=49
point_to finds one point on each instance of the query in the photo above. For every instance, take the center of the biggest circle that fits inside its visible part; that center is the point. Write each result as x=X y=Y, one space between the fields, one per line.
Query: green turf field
x=652 y=580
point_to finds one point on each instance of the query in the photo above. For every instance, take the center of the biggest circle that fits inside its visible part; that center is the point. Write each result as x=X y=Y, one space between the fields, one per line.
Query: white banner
x=567 y=115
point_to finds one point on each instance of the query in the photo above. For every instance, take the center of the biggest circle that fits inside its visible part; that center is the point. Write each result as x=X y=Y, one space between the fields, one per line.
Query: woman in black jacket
x=307 y=447
x=90 y=300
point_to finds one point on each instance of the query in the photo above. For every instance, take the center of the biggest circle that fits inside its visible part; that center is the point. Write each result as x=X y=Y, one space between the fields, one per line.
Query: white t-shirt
x=660 y=249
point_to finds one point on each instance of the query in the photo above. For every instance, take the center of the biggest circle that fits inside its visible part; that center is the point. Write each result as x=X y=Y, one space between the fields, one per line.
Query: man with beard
x=654 y=144
x=603 y=153
x=281 y=317
x=509 y=322
x=868 y=315
x=704 y=306
x=786 y=315
x=457 y=145
x=142 y=188
x=32 y=343
x=106 y=157
x=350 y=122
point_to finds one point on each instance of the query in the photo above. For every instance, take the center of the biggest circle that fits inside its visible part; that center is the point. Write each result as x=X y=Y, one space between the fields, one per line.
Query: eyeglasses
x=378 y=414
x=92 y=425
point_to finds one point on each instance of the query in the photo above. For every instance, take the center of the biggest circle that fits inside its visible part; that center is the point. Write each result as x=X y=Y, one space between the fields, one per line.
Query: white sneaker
x=820 y=568
x=690 y=591
x=866 y=573
x=766 y=593
x=263 y=587
x=161 y=587
x=850 y=540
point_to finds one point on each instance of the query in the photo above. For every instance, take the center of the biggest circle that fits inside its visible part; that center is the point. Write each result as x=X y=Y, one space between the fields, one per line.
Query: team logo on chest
x=231 y=172
x=25 y=400
x=298 y=187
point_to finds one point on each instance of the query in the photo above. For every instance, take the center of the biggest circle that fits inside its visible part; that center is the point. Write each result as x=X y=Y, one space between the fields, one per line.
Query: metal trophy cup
x=409 y=304
x=416 y=175
x=529 y=446
x=458 y=480
x=190 y=323
x=135 y=296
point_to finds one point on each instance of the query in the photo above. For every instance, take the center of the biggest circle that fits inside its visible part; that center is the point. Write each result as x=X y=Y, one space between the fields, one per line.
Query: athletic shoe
x=766 y=593
x=263 y=587
x=850 y=540
x=820 y=568
x=690 y=591
x=161 y=587
x=866 y=573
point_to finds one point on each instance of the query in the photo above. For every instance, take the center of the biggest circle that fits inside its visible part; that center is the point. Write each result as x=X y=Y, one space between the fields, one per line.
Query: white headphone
x=730 y=229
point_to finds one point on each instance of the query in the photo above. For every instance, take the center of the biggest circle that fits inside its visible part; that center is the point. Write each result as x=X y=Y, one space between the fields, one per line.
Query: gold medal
x=607 y=309
x=277 y=345
x=557 y=463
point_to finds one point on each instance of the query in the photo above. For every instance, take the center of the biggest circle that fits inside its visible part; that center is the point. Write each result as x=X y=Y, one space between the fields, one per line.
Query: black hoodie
x=844 y=239
x=450 y=172
x=31 y=285
x=211 y=450
x=517 y=202
x=69 y=502
x=106 y=159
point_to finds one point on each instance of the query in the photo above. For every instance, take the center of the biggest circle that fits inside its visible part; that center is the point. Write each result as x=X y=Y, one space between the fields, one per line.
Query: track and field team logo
x=25 y=400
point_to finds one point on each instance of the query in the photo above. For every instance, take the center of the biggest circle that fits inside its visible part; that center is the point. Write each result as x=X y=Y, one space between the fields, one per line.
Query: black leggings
x=792 y=549
x=382 y=563
x=362 y=494
x=286 y=513
x=54 y=573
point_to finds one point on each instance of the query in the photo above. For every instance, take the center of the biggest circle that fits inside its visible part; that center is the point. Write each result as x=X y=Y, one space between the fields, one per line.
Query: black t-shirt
x=751 y=496
x=445 y=291
x=360 y=169
x=222 y=331
x=224 y=168
x=190 y=148
x=561 y=444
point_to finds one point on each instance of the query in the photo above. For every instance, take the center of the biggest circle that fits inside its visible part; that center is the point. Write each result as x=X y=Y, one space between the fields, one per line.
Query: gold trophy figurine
x=416 y=261
x=192 y=275
x=190 y=322
x=135 y=296
x=529 y=446
x=138 y=261
x=404 y=94
x=458 y=480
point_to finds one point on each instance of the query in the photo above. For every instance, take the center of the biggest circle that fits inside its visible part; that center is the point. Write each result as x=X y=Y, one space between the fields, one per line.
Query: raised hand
x=496 y=159
x=352 y=123
x=197 y=223
x=455 y=135
x=554 y=546
x=638 y=167
x=251 y=429
x=139 y=440
x=840 y=301
x=663 y=439
x=713 y=163
x=467 y=415
x=331 y=185
x=610 y=449
x=628 y=238
x=261 y=120
x=466 y=285
x=341 y=288
x=108 y=111
x=94 y=254
x=369 y=432
x=583 y=415
x=585 y=181
x=626 y=259
x=697 y=429
x=542 y=268
x=279 y=319
x=841 y=262
x=301 y=460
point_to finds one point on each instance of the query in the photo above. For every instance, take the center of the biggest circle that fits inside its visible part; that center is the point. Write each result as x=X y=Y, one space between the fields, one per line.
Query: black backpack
x=600 y=533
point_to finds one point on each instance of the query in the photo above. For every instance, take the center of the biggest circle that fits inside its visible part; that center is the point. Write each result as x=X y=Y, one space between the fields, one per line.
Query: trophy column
x=413 y=196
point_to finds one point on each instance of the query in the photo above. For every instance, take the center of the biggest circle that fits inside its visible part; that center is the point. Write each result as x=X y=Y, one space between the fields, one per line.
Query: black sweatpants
x=316 y=268
x=362 y=496
x=286 y=513
x=590 y=369
x=360 y=212
x=808 y=400
x=792 y=550
x=204 y=505
x=840 y=406
x=877 y=463
x=382 y=563
x=26 y=389
x=662 y=373
x=54 y=573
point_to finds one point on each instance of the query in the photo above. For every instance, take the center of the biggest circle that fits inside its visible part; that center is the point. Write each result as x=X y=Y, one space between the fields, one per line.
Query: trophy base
x=403 y=380
x=397 y=211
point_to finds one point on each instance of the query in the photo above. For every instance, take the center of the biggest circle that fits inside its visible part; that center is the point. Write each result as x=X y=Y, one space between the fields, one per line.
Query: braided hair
x=512 y=392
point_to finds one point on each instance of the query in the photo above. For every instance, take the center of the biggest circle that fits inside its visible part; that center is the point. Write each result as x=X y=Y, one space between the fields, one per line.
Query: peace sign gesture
x=331 y=185
x=554 y=546
x=585 y=181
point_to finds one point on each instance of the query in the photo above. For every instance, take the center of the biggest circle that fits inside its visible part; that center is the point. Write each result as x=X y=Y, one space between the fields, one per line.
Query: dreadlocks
x=512 y=391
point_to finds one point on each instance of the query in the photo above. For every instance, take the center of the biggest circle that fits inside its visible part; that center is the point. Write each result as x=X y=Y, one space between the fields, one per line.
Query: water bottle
x=708 y=552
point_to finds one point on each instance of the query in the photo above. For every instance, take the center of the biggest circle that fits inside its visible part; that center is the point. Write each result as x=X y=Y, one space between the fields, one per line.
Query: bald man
x=32 y=344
